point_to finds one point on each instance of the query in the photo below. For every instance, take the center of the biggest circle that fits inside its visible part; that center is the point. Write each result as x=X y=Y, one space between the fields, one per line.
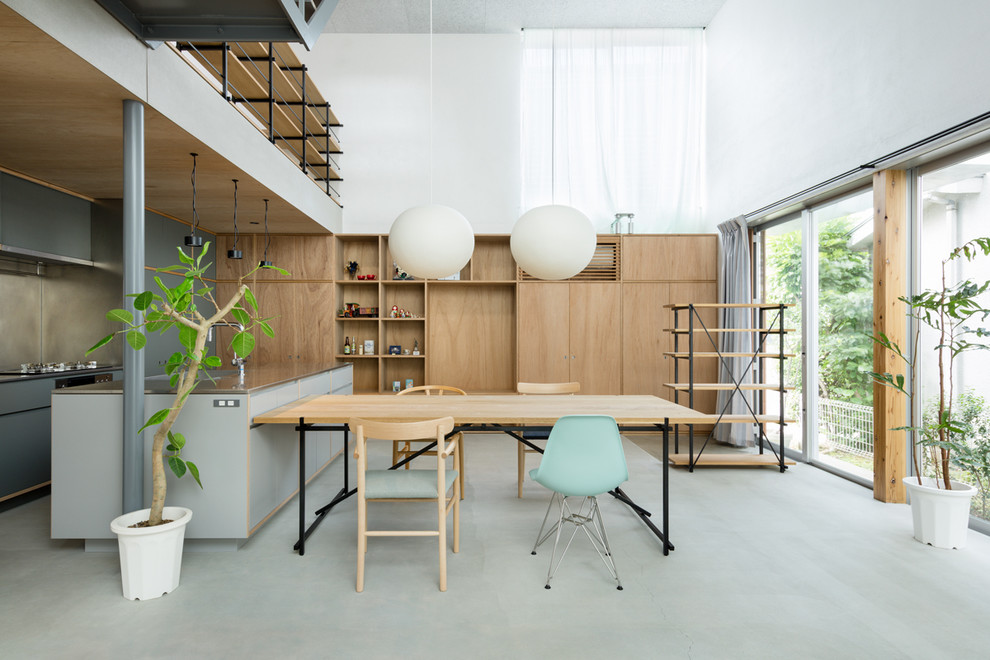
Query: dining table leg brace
x=345 y=491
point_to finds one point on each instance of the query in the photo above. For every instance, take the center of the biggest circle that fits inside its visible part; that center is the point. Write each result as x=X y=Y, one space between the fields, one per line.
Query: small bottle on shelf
x=360 y=347
x=347 y=345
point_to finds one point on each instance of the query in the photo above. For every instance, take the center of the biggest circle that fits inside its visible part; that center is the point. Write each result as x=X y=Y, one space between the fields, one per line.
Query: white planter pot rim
x=930 y=484
x=121 y=525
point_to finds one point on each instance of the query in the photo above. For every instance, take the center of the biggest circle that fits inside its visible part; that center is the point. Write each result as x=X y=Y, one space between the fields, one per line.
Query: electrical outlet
x=226 y=403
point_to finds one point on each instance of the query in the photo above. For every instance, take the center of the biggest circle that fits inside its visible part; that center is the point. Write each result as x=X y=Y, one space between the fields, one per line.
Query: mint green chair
x=583 y=458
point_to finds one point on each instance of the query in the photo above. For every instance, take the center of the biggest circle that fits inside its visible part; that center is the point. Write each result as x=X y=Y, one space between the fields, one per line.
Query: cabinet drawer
x=25 y=443
x=342 y=379
x=319 y=384
x=26 y=395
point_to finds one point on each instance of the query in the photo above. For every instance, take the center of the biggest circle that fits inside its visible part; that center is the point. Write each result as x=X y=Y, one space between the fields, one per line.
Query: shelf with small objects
x=696 y=339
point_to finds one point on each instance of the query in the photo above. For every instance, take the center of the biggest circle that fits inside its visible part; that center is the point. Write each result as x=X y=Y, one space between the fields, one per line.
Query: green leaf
x=194 y=471
x=267 y=329
x=280 y=271
x=241 y=316
x=136 y=339
x=183 y=257
x=142 y=301
x=242 y=343
x=177 y=465
x=212 y=361
x=103 y=342
x=248 y=296
x=157 y=418
x=177 y=439
x=187 y=337
x=120 y=316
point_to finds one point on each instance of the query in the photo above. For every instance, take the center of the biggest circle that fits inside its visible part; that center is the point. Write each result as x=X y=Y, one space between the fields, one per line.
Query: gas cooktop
x=52 y=368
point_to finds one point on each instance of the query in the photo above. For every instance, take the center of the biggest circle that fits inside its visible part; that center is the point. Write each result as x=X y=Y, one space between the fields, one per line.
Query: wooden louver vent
x=604 y=266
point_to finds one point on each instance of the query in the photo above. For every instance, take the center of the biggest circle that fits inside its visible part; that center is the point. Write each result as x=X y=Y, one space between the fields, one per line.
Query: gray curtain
x=734 y=287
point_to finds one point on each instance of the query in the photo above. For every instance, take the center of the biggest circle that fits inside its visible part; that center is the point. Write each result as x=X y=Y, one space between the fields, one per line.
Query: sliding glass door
x=821 y=261
x=955 y=203
x=843 y=388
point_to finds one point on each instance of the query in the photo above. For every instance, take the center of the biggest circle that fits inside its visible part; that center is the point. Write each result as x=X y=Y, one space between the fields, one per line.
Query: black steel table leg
x=301 y=543
x=667 y=545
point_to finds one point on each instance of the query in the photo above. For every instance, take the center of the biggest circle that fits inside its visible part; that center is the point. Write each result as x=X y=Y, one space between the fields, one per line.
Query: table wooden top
x=507 y=409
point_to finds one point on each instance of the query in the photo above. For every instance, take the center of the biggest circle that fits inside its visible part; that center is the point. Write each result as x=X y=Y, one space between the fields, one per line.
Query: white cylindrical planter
x=150 y=557
x=941 y=517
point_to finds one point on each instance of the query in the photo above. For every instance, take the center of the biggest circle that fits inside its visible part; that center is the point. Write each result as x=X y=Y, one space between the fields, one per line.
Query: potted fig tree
x=940 y=505
x=150 y=540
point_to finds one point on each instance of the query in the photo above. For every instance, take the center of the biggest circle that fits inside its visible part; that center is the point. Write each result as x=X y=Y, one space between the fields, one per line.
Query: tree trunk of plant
x=187 y=380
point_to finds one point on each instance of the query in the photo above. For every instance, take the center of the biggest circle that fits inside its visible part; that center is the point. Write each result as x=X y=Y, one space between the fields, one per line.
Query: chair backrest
x=429 y=390
x=583 y=456
x=548 y=388
x=431 y=429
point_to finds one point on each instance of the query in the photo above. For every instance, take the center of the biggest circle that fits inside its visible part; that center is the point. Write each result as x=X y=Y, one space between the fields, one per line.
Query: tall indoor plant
x=190 y=309
x=948 y=310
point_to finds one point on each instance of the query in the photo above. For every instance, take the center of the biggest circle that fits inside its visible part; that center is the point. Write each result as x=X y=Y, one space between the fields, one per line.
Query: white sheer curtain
x=612 y=123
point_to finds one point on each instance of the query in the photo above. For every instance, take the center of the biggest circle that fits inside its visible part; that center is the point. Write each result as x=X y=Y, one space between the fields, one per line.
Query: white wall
x=801 y=91
x=379 y=87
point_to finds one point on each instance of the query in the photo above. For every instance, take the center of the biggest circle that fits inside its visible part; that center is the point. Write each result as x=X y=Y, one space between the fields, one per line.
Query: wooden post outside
x=890 y=239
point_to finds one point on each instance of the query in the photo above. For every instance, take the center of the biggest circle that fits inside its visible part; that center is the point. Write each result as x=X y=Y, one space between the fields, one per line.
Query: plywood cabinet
x=644 y=367
x=571 y=332
x=492 y=326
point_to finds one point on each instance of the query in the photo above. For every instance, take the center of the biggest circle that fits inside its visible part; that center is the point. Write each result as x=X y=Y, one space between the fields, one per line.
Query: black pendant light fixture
x=193 y=240
x=264 y=260
x=234 y=253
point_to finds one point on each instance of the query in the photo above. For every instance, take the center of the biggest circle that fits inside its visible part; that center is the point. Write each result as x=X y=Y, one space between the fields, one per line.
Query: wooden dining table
x=504 y=413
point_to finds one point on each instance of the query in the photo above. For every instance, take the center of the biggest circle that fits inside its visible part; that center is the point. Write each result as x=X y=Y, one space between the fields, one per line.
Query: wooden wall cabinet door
x=571 y=332
x=644 y=341
x=544 y=332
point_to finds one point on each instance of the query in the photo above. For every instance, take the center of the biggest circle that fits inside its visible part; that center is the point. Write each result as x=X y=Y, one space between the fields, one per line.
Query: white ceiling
x=503 y=16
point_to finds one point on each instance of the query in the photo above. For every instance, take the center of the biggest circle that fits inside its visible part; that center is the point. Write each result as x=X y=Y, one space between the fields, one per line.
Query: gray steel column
x=133 y=491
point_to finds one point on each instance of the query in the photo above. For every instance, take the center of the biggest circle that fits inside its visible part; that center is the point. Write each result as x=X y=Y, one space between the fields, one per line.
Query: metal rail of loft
x=256 y=94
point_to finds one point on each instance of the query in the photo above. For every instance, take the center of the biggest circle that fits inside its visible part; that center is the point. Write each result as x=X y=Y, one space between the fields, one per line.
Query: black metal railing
x=274 y=92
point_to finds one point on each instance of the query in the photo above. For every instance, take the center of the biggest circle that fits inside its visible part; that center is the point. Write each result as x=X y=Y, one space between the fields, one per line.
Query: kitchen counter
x=13 y=378
x=225 y=381
x=249 y=471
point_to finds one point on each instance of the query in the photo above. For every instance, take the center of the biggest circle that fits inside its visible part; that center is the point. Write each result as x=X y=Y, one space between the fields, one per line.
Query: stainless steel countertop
x=255 y=378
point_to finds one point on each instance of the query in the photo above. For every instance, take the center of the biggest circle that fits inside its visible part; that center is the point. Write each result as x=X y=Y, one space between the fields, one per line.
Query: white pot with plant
x=150 y=540
x=940 y=505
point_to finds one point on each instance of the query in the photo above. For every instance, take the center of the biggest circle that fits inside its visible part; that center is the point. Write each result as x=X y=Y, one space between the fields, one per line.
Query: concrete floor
x=795 y=565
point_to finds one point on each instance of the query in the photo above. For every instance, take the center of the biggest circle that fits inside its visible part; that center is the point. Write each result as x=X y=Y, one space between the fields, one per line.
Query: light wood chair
x=411 y=486
x=522 y=450
x=401 y=450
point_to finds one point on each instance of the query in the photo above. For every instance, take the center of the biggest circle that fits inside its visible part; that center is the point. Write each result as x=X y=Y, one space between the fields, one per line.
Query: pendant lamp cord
x=268 y=239
x=235 y=213
x=195 y=215
x=431 y=101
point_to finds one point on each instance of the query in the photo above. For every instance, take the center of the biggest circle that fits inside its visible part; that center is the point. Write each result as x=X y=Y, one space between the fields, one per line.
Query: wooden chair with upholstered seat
x=522 y=450
x=401 y=450
x=407 y=486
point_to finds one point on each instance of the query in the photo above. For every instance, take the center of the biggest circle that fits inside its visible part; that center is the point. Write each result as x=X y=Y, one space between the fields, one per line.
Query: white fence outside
x=845 y=427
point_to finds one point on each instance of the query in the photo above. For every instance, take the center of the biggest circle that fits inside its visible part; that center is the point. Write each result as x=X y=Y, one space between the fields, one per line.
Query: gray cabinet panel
x=26 y=450
x=42 y=219
x=26 y=394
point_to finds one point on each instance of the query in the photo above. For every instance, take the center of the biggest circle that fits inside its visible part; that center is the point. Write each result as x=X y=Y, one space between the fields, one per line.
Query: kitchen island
x=248 y=473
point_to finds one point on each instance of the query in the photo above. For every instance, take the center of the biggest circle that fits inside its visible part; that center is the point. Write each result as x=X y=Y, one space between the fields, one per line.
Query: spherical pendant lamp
x=553 y=242
x=431 y=241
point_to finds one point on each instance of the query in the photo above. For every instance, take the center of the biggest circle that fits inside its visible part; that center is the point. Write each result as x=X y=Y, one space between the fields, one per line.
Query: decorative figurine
x=352 y=267
x=394 y=314
x=398 y=273
x=415 y=347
